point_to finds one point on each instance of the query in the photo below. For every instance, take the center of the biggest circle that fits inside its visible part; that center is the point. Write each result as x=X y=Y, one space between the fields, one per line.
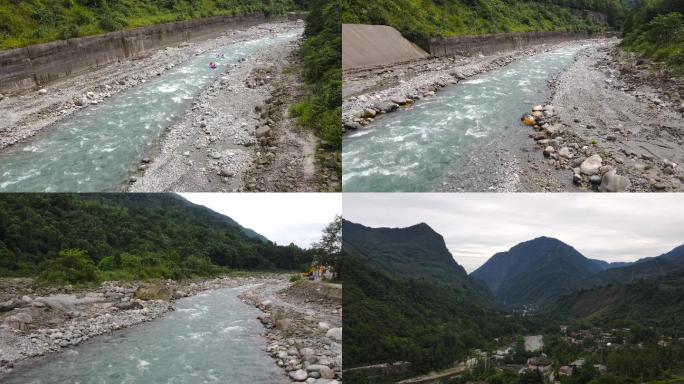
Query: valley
x=540 y=312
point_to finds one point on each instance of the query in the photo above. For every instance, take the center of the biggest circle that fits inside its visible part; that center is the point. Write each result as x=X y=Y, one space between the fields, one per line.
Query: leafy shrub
x=71 y=266
x=295 y=278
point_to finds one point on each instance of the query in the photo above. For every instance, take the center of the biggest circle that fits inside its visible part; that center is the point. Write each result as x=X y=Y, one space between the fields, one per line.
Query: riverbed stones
x=153 y=292
x=565 y=153
x=591 y=165
x=334 y=334
x=263 y=131
x=548 y=151
x=43 y=91
x=612 y=182
x=299 y=375
x=399 y=100
x=369 y=113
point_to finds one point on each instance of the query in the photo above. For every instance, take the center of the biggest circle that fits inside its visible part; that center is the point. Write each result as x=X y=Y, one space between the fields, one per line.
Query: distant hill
x=642 y=268
x=645 y=302
x=415 y=252
x=163 y=235
x=535 y=270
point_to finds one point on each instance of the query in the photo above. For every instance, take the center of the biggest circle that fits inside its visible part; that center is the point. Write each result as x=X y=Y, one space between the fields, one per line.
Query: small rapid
x=410 y=150
x=97 y=149
x=212 y=337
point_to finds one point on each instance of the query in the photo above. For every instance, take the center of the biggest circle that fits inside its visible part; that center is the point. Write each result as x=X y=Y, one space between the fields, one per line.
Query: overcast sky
x=611 y=227
x=281 y=217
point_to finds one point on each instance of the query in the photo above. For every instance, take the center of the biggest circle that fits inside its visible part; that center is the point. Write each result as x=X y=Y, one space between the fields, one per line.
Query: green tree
x=71 y=266
x=327 y=251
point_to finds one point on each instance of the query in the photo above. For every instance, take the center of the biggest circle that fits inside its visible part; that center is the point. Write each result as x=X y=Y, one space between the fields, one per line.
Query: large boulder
x=612 y=182
x=153 y=291
x=591 y=165
x=335 y=334
x=299 y=375
x=18 y=321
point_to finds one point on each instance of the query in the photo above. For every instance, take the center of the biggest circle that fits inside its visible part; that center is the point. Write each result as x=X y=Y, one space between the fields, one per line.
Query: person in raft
x=213 y=65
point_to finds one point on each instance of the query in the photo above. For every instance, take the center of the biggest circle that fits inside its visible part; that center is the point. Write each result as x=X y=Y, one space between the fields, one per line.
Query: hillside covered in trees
x=26 y=22
x=322 y=58
x=655 y=28
x=421 y=20
x=120 y=236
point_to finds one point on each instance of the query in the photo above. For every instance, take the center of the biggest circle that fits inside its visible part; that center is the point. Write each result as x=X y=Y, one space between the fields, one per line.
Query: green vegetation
x=322 y=58
x=655 y=29
x=420 y=20
x=79 y=238
x=429 y=324
x=657 y=302
x=26 y=22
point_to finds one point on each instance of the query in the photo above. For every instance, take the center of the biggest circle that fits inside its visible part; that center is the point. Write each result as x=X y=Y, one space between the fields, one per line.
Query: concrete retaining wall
x=371 y=45
x=36 y=65
x=489 y=44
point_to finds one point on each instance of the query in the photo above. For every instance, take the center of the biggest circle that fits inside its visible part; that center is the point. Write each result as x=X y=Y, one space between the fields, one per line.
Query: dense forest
x=120 y=236
x=420 y=20
x=428 y=324
x=655 y=29
x=26 y=22
x=655 y=302
x=322 y=59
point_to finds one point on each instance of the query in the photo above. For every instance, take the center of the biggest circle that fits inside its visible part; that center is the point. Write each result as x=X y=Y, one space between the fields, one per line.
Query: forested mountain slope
x=655 y=28
x=415 y=252
x=421 y=20
x=430 y=324
x=26 y=22
x=144 y=235
x=535 y=270
x=649 y=302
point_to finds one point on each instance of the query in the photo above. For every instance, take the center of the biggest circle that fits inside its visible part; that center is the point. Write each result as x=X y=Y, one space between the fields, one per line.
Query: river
x=411 y=149
x=211 y=338
x=98 y=148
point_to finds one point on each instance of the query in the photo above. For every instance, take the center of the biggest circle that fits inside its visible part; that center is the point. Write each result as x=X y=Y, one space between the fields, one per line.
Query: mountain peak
x=534 y=270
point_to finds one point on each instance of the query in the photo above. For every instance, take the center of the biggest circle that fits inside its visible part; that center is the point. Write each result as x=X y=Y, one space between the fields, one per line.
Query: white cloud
x=611 y=227
x=282 y=217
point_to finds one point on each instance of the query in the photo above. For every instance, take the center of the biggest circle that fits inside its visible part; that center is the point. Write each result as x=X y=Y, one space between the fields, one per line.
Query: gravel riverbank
x=304 y=323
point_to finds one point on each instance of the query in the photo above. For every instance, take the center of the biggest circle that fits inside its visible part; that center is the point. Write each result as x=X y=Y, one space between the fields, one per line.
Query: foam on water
x=410 y=150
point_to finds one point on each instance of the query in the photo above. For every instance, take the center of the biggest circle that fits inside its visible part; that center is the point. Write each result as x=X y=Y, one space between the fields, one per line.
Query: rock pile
x=364 y=108
x=589 y=169
x=309 y=350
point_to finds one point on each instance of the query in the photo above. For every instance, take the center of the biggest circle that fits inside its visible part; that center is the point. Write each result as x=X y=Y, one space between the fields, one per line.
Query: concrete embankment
x=500 y=42
x=372 y=45
x=365 y=46
x=36 y=65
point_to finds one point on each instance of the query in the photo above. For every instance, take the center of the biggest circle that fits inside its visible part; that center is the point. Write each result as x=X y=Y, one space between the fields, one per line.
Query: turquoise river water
x=100 y=146
x=211 y=338
x=410 y=150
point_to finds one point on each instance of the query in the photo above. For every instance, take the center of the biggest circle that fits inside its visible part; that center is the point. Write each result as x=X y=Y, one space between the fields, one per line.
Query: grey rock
x=612 y=182
x=263 y=131
x=334 y=333
x=299 y=375
x=591 y=165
